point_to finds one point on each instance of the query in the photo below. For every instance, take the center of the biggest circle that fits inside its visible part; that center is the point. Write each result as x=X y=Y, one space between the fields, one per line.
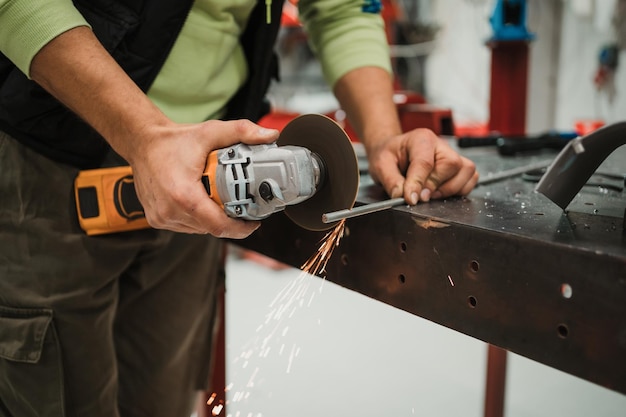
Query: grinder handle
x=106 y=200
x=209 y=179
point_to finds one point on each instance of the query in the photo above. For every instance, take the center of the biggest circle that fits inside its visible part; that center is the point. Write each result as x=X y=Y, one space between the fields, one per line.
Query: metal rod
x=498 y=176
x=365 y=209
x=386 y=204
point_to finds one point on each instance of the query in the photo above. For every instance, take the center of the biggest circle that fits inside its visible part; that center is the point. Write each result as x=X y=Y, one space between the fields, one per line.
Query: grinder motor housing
x=254 y=181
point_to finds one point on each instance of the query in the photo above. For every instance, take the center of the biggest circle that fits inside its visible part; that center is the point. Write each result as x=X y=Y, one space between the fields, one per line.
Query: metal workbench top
x=504 y=265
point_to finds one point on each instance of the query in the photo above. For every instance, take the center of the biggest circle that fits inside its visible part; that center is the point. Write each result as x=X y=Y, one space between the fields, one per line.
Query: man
x=120 y=325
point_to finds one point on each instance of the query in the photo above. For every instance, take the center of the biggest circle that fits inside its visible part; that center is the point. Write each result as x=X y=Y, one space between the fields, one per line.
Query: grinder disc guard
x=338 y=191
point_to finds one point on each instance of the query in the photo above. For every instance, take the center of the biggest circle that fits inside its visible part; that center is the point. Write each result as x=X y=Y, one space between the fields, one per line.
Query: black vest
x=139 y=34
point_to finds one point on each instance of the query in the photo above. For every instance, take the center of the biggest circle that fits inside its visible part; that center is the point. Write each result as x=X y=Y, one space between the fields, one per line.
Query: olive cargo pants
x=114 y=325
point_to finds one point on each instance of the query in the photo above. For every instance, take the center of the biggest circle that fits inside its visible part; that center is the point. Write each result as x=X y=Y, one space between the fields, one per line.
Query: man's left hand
x=419 y=166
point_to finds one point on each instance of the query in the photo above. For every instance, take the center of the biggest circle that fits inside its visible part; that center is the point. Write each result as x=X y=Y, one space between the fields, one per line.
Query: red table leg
x=496 y=382
x=509 y=87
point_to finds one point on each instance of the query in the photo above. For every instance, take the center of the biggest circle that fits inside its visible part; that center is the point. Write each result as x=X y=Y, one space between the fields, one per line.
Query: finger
x=212 y=219
x=226 y=133
x=445 y=170
x=229 y=228
x=447 y=165
x=469 y=186
x=461 y=183
x=385 y=170
x=220 y=225
x=421 y=165
x=192 y=211
x=209 y=217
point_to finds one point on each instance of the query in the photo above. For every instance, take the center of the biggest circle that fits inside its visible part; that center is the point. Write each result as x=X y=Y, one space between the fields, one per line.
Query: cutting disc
x=324 y=137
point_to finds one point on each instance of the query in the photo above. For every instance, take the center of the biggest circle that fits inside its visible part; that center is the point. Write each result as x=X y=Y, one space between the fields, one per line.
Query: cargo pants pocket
x=31 y=375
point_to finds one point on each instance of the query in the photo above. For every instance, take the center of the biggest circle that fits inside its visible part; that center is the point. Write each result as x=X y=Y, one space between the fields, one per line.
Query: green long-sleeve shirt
x=206 y=65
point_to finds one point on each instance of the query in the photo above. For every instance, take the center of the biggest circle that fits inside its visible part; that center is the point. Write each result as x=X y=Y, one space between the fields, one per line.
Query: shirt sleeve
x=26 y=26
x=345 y=35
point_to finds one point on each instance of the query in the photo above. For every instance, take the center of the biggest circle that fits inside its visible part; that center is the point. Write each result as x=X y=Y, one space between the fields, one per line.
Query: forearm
x=79 y=72
x=413 y=164
x=366 y=94
x=27 y=25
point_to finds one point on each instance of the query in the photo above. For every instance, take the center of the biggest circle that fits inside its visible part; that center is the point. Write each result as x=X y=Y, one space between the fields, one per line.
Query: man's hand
x=419 y=166
x=167 y=176
x=168 y=159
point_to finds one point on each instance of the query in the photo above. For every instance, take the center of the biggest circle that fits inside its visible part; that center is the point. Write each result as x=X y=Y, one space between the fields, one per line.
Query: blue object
x=508 y=21
x=565 y=135
x=609 y=56
x=372 y=6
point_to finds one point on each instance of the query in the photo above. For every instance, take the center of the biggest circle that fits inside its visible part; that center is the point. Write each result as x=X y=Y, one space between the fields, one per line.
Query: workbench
x=504 y=265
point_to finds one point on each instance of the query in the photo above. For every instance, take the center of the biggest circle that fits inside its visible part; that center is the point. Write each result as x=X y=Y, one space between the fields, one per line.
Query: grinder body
x=254 y=181
x=311 y=170
x=249 y=181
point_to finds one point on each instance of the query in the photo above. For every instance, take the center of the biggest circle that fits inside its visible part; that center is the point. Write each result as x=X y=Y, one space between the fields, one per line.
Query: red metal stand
x=507 y=115
x=213 y=402
x=509 y=85
x=496 y=382
x=218 y=377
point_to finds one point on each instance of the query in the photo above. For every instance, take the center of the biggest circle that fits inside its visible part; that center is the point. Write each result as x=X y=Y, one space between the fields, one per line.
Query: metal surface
x=504 y=265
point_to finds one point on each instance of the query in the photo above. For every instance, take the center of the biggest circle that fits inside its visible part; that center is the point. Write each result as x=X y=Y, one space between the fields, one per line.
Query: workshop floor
x=334 y=352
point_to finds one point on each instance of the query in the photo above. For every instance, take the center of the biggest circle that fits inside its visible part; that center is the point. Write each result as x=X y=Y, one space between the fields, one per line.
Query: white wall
x=457 y=71
x=563 y=60
x=583 y=36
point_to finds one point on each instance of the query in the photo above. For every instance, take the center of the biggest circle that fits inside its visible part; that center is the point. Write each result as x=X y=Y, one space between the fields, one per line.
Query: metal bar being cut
x=360 y=210
x=393 y=202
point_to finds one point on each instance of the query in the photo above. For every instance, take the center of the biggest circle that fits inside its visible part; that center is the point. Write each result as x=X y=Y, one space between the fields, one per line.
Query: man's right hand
x=167 y=176
x=167 y=158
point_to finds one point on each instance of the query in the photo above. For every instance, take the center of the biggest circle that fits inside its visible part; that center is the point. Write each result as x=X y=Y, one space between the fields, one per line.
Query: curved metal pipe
x=577 y=162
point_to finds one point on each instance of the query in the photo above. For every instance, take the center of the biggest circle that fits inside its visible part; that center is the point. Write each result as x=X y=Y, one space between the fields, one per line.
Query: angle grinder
x=311 y=170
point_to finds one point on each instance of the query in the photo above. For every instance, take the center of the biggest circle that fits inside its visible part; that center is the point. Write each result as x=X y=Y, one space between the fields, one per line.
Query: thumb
x=226 y=133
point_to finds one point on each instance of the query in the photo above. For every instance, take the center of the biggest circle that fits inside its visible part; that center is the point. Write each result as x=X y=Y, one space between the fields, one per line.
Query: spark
x=265 y=352
x=450 y=279
x=217 y=409
x=250 y=383
x=292 y=297
x=316 y=264
x=291 y=356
